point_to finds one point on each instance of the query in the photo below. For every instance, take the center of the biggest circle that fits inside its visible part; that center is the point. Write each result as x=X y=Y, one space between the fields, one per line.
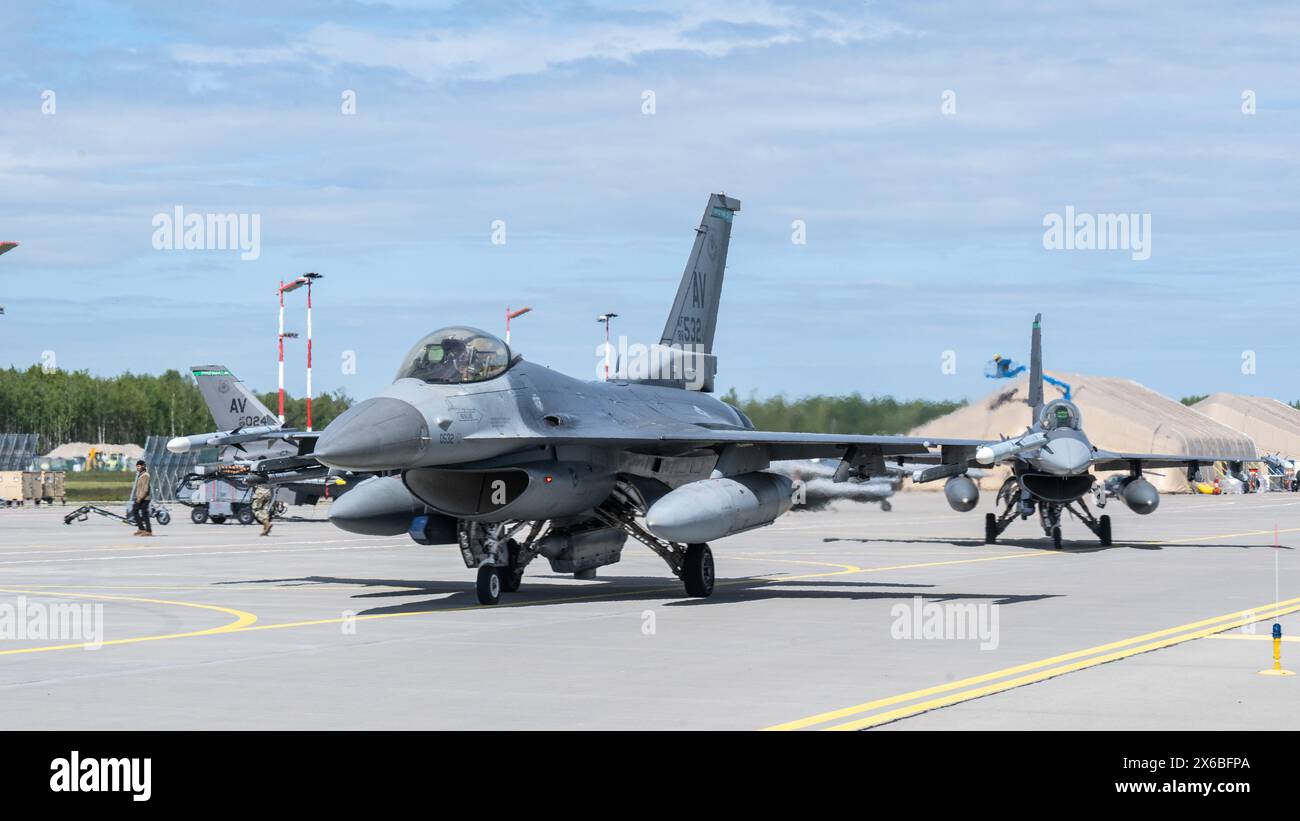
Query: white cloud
x=531 y=46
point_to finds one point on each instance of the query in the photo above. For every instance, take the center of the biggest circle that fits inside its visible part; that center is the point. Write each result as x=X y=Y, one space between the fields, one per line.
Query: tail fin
x=694 y=317
x=232 y=404
x=1036 y=366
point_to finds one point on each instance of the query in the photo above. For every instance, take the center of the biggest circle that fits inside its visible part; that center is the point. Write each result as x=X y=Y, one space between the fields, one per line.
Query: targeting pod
x=962 y=493
x=1140 y=495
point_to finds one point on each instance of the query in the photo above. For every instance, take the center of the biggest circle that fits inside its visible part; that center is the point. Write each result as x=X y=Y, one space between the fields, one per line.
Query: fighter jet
x=1051 y=467
x=817 y=487
x=252 y=436
x=816 y=477
x=510 y=460
x=245 y=424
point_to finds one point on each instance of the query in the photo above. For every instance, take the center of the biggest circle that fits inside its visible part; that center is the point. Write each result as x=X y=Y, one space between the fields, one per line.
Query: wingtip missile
x=216 y=439
x=988 y=454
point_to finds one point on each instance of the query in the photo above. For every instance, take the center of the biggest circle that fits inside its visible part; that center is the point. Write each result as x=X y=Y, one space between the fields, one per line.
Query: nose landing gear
x=488 y=585
x=1018 y=503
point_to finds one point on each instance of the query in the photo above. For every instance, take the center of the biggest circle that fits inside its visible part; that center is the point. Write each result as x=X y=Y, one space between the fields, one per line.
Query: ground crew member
x=141 y=494
x=263 y=504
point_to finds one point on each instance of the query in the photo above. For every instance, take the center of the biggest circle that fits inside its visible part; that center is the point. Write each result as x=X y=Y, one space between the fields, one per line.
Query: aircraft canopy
x=455 y=356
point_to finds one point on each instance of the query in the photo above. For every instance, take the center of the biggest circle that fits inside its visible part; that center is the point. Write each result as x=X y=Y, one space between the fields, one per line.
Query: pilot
x=455 y=360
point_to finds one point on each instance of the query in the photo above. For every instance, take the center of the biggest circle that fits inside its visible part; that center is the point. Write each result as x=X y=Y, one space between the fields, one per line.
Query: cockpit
x=1059 y=415
x=456 y=356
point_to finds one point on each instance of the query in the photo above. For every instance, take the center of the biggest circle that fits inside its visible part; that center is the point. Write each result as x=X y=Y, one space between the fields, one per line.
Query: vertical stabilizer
x=694 y=317
x=1036 y=366
x=232 y=404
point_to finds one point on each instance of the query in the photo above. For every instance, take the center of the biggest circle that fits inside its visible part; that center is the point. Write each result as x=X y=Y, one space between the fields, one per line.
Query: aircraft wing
x=7 y=246
x=959 y=452
x=813 y=445
x=1108 y=460
x=779 y=445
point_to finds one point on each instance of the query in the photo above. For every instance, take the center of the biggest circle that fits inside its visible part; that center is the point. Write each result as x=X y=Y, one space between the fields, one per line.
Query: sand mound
x=73 y=450
x=1118 y=414
x=1274 y=425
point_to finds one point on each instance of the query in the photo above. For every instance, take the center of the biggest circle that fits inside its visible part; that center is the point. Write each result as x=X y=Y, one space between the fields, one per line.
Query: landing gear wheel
x=886 y=506
x=163 y=517
x=697 y=571
x=1103 y=527
x=198 y=515
x=218 y=520
x=1056 y=538
x=990 y=529
x=245 y=515
x=512 y=575
x=488 y=586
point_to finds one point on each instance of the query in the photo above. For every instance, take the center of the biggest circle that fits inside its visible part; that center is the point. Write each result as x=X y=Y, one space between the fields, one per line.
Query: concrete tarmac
x=845 y=619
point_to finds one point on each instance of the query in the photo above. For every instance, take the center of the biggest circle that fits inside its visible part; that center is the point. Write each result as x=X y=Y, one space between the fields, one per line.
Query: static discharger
x=1276 y=669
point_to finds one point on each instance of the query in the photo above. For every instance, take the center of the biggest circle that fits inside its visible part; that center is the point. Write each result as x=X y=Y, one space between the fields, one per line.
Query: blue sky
x=924 y=230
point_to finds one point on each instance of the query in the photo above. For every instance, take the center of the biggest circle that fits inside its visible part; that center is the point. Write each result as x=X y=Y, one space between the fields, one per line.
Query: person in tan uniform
x=264 y=506
x=141 y=494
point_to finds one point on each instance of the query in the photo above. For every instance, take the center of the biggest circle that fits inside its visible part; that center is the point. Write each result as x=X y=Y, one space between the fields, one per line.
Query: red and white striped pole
x=308 y=354
x=513 y=315
x=305 y=279
x=606 y=318
x=281 y=292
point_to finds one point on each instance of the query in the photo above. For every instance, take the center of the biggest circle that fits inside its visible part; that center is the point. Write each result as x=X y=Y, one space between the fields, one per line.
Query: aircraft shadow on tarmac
x=1046 y=544
x=633 y=588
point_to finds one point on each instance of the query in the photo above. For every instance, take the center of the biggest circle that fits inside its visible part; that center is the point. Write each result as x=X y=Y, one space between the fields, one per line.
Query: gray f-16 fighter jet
x=246 y=426
x=511 y=460
x=1051 y=467
x=251 y=436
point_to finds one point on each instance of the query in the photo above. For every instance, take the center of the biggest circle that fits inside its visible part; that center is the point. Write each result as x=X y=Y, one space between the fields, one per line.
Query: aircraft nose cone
x=1068 y=457
x=377 y=434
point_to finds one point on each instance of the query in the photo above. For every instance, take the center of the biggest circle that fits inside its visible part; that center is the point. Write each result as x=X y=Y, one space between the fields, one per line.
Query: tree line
x=852 y=413
x=74 y=406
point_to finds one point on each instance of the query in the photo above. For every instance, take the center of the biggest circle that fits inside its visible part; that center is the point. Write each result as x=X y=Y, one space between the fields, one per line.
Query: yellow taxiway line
x=243 y=620
x=865 y=715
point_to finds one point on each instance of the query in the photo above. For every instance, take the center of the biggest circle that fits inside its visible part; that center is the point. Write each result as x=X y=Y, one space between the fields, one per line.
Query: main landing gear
x=692 y=563
x=697 y=571
x=501 y=551
x=1018 y=503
